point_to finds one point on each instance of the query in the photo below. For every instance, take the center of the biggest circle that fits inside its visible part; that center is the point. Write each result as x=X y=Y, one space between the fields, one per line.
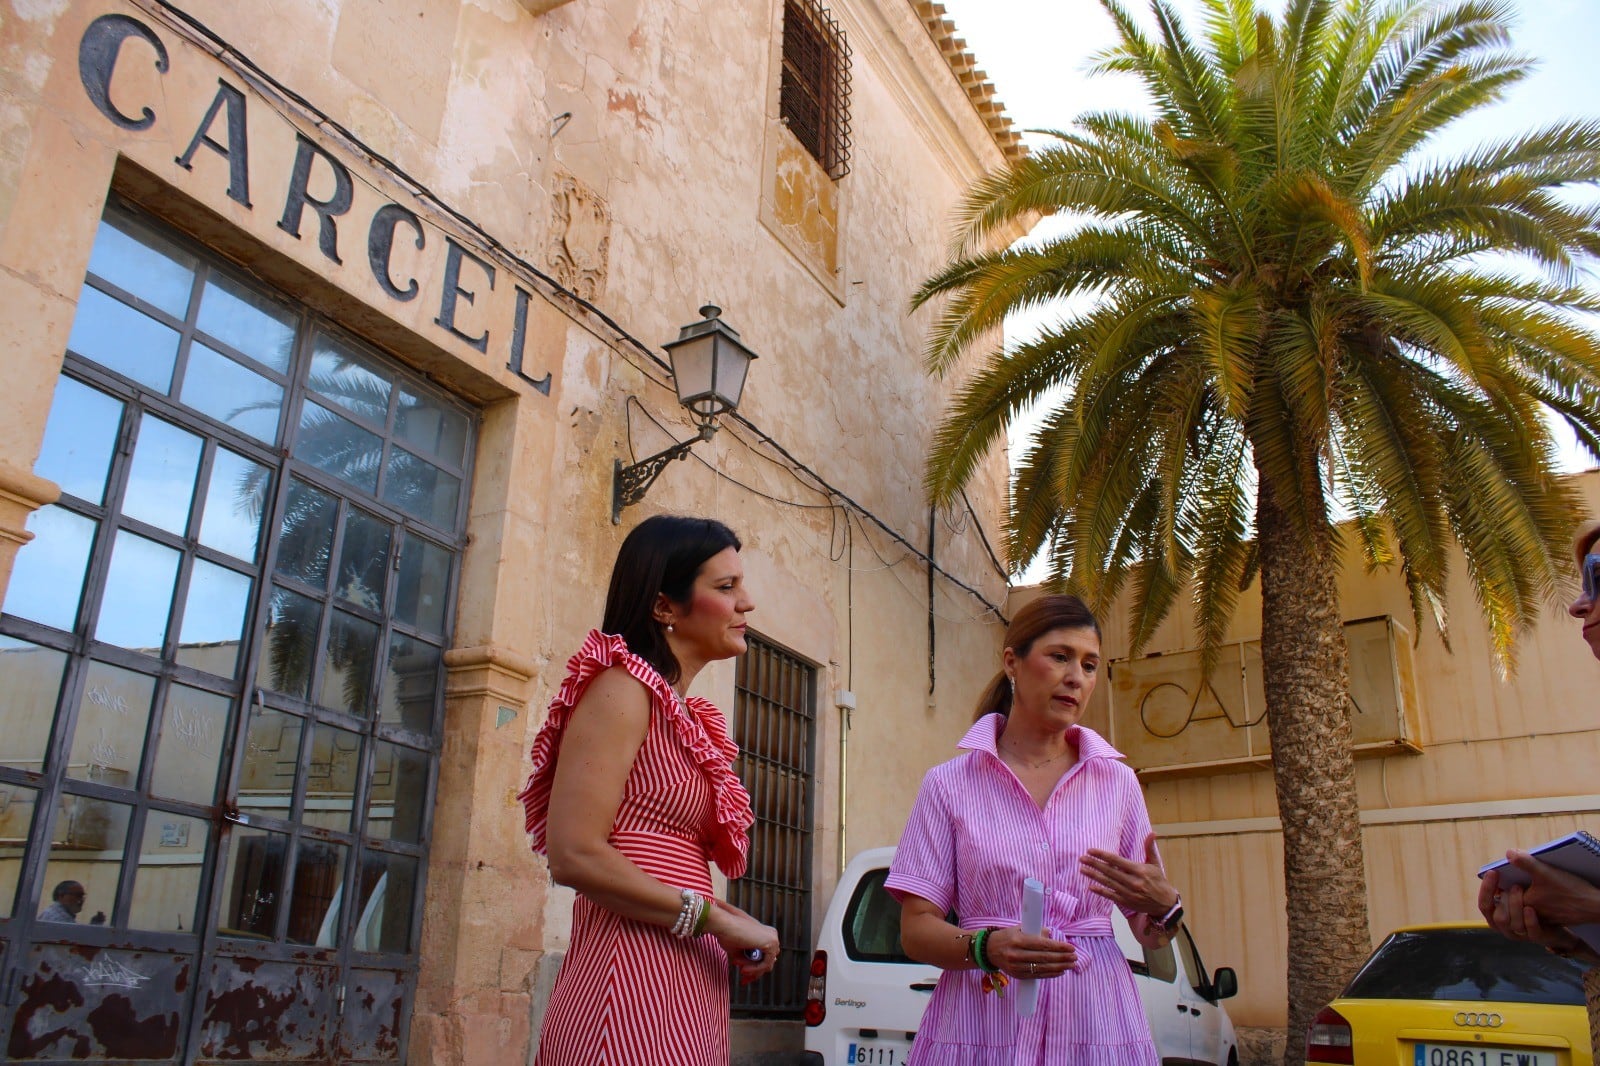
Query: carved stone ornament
x=580 y=237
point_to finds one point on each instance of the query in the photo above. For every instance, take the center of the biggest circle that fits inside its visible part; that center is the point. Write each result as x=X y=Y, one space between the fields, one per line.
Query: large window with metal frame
x=814 y=86
x=774 y=724
x=222 y=652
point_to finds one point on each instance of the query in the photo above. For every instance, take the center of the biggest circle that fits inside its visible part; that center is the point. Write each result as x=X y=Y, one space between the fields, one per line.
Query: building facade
x=331 y=324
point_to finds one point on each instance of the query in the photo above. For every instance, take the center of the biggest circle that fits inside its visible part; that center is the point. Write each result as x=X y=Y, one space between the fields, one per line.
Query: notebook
x=1577 y=853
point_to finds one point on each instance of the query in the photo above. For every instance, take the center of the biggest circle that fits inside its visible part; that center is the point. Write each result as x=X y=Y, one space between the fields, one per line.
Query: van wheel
x=1233 y=1056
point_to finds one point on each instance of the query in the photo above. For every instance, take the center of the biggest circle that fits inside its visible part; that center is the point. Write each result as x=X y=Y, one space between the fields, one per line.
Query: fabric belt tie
x=1097 y=926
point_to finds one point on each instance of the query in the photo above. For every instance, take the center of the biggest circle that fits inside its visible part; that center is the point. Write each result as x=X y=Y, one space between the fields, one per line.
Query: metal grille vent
x=814 y=95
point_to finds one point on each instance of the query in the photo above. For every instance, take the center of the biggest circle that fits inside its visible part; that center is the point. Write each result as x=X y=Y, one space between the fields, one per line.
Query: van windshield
x=872 y=922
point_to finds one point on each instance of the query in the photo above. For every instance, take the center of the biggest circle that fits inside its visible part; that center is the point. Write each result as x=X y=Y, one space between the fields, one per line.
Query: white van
x=866 y=998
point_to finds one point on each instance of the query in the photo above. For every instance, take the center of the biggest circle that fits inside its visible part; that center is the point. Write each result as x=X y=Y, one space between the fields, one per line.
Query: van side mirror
x=1224 y=983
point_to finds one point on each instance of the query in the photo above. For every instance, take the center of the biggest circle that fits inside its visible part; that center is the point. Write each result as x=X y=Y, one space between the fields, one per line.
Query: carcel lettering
x=225 y=130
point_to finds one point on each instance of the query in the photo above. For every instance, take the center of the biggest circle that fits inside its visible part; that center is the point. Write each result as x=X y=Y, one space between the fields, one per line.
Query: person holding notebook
x=1554 y=899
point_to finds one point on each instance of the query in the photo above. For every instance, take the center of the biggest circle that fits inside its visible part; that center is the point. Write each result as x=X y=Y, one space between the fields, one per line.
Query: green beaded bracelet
x=979 y=956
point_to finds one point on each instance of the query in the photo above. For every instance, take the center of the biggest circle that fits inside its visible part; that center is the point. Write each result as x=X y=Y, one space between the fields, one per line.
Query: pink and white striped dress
x=631 y=992
x=973 y=837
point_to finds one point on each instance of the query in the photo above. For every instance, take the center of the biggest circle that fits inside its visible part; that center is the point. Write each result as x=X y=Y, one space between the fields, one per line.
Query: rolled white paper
x=1032 y=922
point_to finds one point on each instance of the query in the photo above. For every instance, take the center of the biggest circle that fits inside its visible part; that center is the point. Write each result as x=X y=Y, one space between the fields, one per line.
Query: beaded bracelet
x=980 y=957
x=687 y=914
x=705 y=915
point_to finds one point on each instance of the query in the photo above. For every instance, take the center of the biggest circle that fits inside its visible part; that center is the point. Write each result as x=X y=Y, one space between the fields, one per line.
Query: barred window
x=774 y=724
x=814 y=95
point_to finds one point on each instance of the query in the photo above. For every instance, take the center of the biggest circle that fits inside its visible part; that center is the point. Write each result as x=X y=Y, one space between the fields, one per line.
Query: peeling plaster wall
x=620 y=147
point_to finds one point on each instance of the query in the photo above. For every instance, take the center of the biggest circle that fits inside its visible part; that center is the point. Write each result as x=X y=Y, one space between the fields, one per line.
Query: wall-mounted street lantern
x=709 y=365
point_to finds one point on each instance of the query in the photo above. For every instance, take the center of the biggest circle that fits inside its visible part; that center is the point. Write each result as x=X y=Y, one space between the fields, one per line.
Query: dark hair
x=1044 y=615
x=660 y=556
x=63 y=888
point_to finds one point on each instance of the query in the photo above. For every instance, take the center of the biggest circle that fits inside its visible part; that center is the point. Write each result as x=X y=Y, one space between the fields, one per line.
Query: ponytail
x=996 y=697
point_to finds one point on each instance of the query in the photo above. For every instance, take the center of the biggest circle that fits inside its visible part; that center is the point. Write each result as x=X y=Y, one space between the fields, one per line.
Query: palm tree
x=1292 y=316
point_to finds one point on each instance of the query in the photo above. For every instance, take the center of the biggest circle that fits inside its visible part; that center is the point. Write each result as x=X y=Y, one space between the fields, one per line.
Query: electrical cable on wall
x=248 y=70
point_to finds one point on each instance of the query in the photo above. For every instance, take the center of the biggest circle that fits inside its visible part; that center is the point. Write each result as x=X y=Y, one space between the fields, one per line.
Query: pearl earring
x=669 y=627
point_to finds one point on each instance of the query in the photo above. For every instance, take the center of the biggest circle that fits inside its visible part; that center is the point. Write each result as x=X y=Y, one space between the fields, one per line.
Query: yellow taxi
x=1456 y=994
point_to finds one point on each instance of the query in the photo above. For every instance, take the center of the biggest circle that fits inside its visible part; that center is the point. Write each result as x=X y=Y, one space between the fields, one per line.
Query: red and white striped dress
x=627 y=991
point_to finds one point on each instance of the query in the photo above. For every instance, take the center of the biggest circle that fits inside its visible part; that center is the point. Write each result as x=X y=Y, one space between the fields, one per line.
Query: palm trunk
x=1305 y=671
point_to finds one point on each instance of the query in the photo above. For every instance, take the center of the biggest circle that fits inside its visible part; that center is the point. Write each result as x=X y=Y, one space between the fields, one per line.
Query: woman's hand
x=1134 y=886
x=1148 y=933
x=738 y=933
x=1014 y=952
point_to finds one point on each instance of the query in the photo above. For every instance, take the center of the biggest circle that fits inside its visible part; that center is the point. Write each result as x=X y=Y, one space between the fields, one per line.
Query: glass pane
x=305 y=540
x=410 y=684
x=161 y=479
x=388 y=884
x=213 y=619
x=153 y=269
x=79 y=440
x=113 y=717
x=247 y=321
x=47 y=577
x=318 y=887
x=431 y=427
x=363 y=560
x=193 y=725
x=138 y=597
x=17 y=805
x=30 y=677
x=272 y=750
x=352 y=381
x=217 y=386
x=235 y=498
x=85 y=857
x=419 y=591
x=291 y=638
x=166 y=883
x=419 y=488
x=337 y=445
x=399 y=793
x=109 y=332
x=331 y=777
x=347 y=664
x=252 y=884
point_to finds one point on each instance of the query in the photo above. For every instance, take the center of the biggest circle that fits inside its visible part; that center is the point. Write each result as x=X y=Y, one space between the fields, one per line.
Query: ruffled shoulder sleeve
x=704 y=731
x=701 y=730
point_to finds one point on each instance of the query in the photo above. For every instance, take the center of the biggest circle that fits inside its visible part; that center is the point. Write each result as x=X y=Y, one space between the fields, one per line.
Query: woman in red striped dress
x=632 y=794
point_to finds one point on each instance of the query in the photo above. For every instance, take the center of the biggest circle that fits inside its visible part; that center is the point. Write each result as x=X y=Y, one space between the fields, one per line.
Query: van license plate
x=889 y=1053
x=1459 y=1055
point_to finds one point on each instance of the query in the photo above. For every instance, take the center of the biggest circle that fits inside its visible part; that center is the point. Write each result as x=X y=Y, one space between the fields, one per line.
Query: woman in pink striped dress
x=632 y=794
x=1035 y=795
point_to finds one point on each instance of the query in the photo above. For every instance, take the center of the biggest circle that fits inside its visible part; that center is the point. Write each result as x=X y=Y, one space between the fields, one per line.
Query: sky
x=1036 y=53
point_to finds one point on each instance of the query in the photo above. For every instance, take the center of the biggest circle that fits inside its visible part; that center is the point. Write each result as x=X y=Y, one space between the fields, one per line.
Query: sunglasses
x=1591 y=576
